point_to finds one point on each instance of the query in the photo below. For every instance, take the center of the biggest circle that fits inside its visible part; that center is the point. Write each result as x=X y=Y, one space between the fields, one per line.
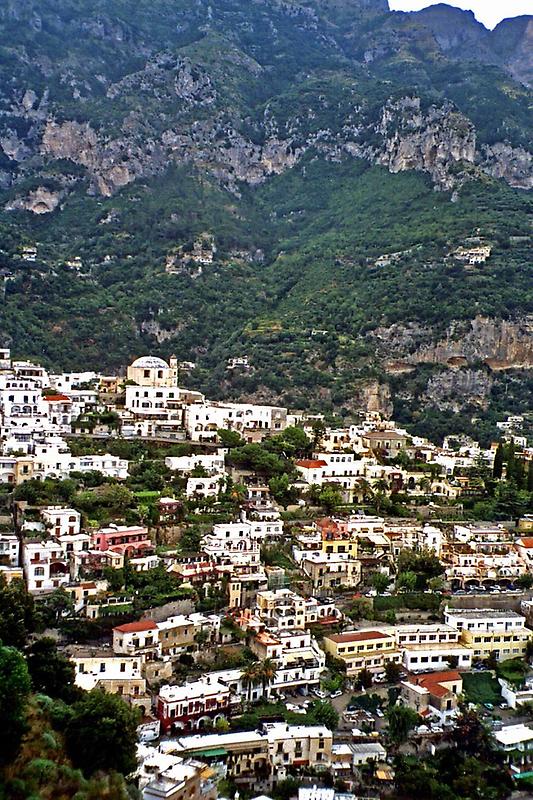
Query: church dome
x=150 y=362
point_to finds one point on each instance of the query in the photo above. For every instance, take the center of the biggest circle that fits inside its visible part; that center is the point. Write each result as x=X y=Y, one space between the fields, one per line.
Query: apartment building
x=489 y=632
x=282 y=608
x=364 y=649
x=191 y=706
x=98 y=668
x=258 y=760
x=298 y=659
x=432 y=647
x=328 y=571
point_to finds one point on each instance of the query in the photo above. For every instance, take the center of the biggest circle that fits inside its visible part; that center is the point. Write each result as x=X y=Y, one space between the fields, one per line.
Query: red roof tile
x=136 y=627
x=308 y=463
x=525 y=541
x=357 y=636
x=57 y=398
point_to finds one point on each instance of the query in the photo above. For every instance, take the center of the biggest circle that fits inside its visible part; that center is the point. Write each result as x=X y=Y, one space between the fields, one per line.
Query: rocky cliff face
x=451 y=391
x=234 y=71
x=502 y=344
x=438 y=140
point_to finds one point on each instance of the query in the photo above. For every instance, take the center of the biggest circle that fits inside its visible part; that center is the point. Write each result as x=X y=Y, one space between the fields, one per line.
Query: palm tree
x=267 y=673
x=365 y=489
x=250 y=678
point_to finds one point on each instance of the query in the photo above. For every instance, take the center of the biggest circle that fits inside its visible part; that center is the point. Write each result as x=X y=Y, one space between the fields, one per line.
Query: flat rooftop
x=487 y=613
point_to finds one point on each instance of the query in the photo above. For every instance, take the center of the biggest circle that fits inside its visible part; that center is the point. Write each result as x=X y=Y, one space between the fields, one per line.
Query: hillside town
x=286 y=602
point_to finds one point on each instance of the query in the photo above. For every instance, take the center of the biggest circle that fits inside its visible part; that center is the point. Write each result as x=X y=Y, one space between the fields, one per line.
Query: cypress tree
x=497 y=469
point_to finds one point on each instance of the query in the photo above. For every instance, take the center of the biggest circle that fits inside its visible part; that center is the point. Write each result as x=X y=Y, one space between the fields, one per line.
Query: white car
x=338 y=693
x=320 y=693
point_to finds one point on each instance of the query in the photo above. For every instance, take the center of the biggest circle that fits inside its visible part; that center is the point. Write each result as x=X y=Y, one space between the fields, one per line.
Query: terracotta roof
x=90 y=585
x=357 y=636
x=56 y=398
x=308 y=463
x=525 y=541
x=433 y=681
x=136 y=627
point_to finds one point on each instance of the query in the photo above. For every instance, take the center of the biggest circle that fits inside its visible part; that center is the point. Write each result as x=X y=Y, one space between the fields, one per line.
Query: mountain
x=304 y=183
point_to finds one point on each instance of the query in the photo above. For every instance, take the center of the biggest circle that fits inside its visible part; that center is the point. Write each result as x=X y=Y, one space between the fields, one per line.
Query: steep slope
x=290 y=180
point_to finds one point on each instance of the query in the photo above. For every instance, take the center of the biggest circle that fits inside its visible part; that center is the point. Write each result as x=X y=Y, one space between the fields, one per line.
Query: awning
x=216 y=751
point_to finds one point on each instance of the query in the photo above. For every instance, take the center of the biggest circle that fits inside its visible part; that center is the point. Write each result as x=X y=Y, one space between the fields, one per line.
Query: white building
x=432 y=647
x=46 y=565
x=9 y=549
x=211 y=463
x=61 y=521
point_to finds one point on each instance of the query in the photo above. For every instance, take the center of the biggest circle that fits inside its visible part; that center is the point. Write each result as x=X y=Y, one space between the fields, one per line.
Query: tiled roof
x=307 y=463
x=357 y=636
x=56 y=398
x=136 y=627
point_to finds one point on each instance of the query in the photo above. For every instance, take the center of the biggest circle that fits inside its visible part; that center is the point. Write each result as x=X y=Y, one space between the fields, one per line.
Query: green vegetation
x=481 y=688
x=470 y=768
x=304 y=243
x=513 y=670
x=410 y=600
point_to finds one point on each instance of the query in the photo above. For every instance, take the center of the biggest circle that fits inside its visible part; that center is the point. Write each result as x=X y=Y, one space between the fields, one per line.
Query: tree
x=102 y=734
x=497 y=469
x=17 y=613
x=229 y=438
x=363 y=679
x=266 y=673
x=360 y=609
x=330 y=497
x=324 y=713
x=281 y=489
x=114 y=578
x=380 y=582
x=56 y=606
x=406 y=581
x=15 y=687
x=51 y=672
x=470 y=736
x=436 y=584
x=402 y=720
x=392 y=671
x=251 y=678
x=423 y=563
x=525 y=581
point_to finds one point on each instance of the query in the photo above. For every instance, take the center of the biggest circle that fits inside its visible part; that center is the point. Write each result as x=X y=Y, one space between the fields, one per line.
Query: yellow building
x=370 y=649
x=490 y=631
x=503 y=644
x=153 y=371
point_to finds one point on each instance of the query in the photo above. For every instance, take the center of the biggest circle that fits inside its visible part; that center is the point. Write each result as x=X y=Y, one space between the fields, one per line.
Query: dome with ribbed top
x=150 y=362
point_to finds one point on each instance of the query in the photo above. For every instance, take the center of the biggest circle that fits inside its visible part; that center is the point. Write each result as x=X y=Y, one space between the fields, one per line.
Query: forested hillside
x=298 y=182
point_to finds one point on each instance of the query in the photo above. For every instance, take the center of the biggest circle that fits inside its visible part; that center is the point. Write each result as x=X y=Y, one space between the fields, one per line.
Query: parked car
x=379 y=713
x=319 y=693
x=489 y=706
x=338 y=693
x=504 y=705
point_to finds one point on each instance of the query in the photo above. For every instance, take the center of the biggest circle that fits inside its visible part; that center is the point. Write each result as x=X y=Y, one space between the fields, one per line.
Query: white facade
x=61 y=521
x=212 y=464
x=9 y=549
x=45 y=565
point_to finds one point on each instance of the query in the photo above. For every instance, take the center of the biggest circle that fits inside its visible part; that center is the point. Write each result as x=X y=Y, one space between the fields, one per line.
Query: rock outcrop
x=502 y=344
x=453 y=390
x=39 y=201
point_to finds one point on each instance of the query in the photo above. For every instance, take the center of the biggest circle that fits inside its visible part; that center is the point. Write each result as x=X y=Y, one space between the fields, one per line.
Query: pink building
x=122 y=539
